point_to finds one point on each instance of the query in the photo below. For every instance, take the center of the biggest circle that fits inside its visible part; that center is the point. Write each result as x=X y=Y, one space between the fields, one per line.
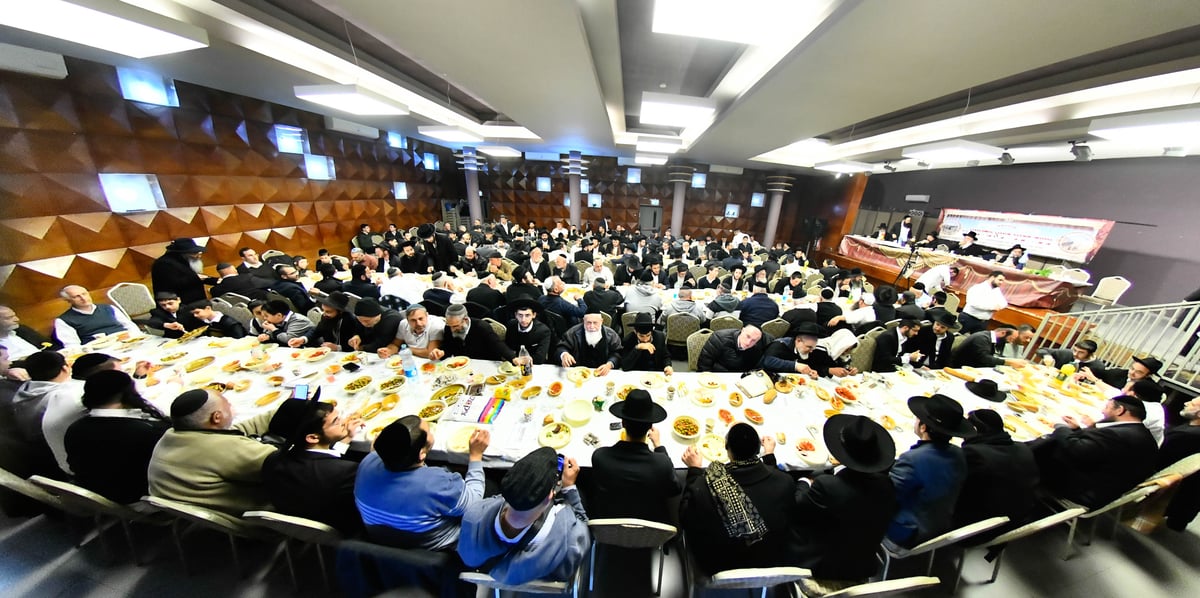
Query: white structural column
x=777 y=186
x=470 y=166
x=574 y=173
x=681 y=177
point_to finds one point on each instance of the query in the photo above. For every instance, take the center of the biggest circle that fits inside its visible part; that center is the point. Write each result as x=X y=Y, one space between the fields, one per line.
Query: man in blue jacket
x=930 y=475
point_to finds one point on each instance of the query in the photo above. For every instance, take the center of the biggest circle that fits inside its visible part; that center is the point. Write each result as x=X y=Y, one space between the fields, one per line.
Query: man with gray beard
x=477 y=340
x=180 y=271
x=590 y=344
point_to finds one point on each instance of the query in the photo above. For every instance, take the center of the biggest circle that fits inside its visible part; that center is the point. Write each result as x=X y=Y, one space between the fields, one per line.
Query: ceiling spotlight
x=1006 y=158
x=888 y=167
x=924 y=164
x=1081 y=152
x=972 y=162
x=1175 y=152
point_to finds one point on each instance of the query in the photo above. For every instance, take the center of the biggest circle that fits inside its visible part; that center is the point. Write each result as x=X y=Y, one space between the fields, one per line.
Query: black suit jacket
x=978 y=351
x=171 y=272
x=627 y=479
x=840 y=520
x=910 y=311
x=887 y=349
x=159 y=317
x=541 y=272
x=481 y=342
x=1001 y=478
x=720 y=352
x=315 y=486
x=634 y=359
x=1093 y=466
x=771 y=491
x=538 y=341
x=486 y=296
x=934 y=355
x=608 y=301
x=1179 y=442
x=242 y=284
x=382 y=333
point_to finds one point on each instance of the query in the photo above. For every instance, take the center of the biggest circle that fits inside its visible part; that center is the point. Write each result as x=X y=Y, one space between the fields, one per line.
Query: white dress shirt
x=17 y=347
x=984 y=300
x=69 y=337
x=590 y=275
x=936 y=278
x=435 y=328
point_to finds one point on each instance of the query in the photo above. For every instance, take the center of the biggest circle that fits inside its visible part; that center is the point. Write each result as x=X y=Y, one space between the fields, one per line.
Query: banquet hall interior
x=283 y=126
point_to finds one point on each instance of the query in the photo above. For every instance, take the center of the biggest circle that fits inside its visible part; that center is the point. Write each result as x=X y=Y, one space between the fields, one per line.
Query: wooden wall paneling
x=841 y=214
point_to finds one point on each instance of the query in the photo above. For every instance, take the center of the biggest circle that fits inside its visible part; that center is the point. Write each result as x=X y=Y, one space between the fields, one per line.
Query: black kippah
x=188 y=403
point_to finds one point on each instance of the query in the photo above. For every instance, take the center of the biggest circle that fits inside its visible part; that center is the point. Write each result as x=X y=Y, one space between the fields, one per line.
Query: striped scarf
x=738 y=514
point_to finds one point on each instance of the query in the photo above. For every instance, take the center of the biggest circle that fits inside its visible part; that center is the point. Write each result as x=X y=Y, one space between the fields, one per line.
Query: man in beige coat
x=208 y=461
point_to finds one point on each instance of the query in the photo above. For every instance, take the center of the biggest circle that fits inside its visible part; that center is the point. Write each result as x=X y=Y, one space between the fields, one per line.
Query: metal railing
x=1167 y=332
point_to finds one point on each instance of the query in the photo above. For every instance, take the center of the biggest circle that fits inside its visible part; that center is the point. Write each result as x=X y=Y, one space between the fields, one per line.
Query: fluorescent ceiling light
x=350 y=98
x=952 y=150
x=651 y=159
x=105 y=24
x=751 y=22
x=1173 y=128
x=659 y=145
x=500 y=151
x=675 y=110
x=450 y=133
x=844 y=166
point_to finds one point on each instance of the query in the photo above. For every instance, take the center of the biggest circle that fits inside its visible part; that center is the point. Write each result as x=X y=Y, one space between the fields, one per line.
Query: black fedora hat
x=337 y=300
x=859 y=443
x=643 y=322
x=524 y=303
x=941 y=414
x=637 y=407
x=987 y=389
x=185 y=245
x=947 y=319
x=1150 y=363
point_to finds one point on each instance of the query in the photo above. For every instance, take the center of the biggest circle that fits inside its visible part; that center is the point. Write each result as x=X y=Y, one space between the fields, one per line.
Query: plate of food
x=391 y=384
x=494 y=380
x=173 y=357
x=578 y=375
x=531 y=392
x=810 y=452
x=390 y=401
x=432 y=411
x=555 y=389
x=316 y=354
x=357 y=384
x=216 y=386
x=888 y=422
x=555 y=435
x=709 y=381
x=686 y=428
x=268 y=398
x=220 y=343
x=232 y=366
x=821 y=392
x=458 y=363
x=428 y=367
x=726 y=416
x=240 y=385
x=753 y=416
x=460 y=440
x=624 y=392
x=784 y=385
x=350 y=357
x=845 y=394
x=507 y=368
x=654 y=380
x=448 y=394
x=702 y=399
x=197 y=364
x=712 y=448
x=371 y=410
x=203 y=377
x=735 y=399
x=133 y=339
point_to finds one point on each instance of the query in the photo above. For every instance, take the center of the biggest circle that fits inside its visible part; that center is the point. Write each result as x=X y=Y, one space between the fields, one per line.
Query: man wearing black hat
x=934 y=343
x=590 y=344
x=338 y=324
x=180 y=271
x=308 y=478
x=207 y=460
x=1142 y=368
x=891 y=347
x=734 y=350
x=628 y=479
x=523 y=286
x=438 y=247
x=538 y=500
x=629 y=272
x=603 y=298
x=645 y=349
x=1093 y=463
x=379 y=326
x=407 y=504
x=168 y=317
x=1015 y=258
x=1001 y=474
x=968 y=247
x=736 y=281
x=475 y=339
x=525 y=331
x=497 y=266
x=799 y=354
x=841 y=518
x=737 y=514
x=929 y=476
x=218 y=323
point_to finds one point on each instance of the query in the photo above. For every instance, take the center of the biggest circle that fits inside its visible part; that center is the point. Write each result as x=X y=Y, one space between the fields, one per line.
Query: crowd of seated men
x=88 y=423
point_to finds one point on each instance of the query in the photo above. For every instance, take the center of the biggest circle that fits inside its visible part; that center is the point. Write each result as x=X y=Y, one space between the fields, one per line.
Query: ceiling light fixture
x=650 y=159
x=449 y=133
x=1171 y=128
x=888 y=167
x=844 y=166
x=1006 y=158
x=350 y=98
x=1081 y=152
x=1175 y=152
x=952 y=150
x=659 y=145
x=672 y=110
x=750 y=22
x=106 y=24
x=500 y=151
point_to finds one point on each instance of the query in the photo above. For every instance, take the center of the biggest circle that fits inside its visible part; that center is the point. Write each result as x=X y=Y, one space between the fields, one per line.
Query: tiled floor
x=38 y=559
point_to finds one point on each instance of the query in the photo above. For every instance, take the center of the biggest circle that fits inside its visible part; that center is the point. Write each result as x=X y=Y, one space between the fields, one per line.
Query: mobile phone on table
x=300 y=392
x=351 y=367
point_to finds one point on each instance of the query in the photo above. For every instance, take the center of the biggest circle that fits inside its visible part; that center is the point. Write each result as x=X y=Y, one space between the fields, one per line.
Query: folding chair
x=133 y=298
x=695 y=344
x=777 y=328
x=723 y=322
x=484 y=580
x=996 y=546
x=306 y=531
x=813 y=588
x=629 y=533
x=932 y=545
x=201 y=517
x=103 y=511
x=1132 y=497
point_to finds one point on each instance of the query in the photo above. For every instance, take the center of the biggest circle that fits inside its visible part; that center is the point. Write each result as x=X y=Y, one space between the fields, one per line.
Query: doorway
x=649 y=219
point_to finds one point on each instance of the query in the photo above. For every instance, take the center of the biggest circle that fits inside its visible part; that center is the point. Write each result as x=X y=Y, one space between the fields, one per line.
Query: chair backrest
x=236 y=298
x=864 y=354
x=299 y=528
x=1110 y=288
x=698 y=271
x=957 y=535
x=216 y=301
x=958 y=341
x=1077 y=275
x=723 y=322
x=777 y=328
x=272 y=296
x=241 y=313
x=15 y=483
x=885 y=588
x=942 y=247
x=1134 y=496
x=435 y=308
x=133 y=298
x=270 y=253
x=582 y=266
x=477 y=310
x=557 y=323
x=530 y=587
x=201 y=516
x=1184 y=467
x=891 y=324
x=695 y=343
x=631 y=533
x=759 y=577
x=1034 y=527
x=500 y=329
x=952 y=302
x=82 y=499
x=627 y=319
x=680 y=327
x=813 y=289
x=606 y=318
x=314 y=315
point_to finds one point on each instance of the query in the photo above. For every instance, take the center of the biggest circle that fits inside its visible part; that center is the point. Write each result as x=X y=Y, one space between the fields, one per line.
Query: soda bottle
x=526 y=363
x=406 y=360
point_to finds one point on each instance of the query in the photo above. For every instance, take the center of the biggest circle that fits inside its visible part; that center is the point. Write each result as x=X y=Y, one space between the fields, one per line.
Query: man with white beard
x=590 y=344
x=180 y=271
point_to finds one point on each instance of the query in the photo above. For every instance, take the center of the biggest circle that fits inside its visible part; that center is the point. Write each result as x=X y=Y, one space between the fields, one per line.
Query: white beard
x=593 y=338
x=197 y=265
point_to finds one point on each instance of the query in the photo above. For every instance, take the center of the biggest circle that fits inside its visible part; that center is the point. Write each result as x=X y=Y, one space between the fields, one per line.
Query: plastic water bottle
x=406 y=359
x=526 y=363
